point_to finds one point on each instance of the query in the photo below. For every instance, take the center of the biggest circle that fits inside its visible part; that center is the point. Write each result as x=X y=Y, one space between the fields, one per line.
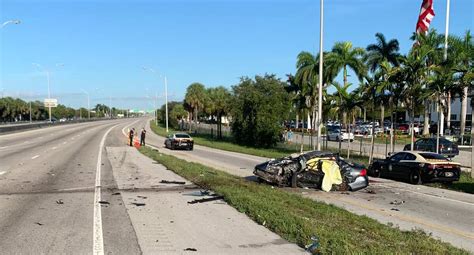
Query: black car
x=446 y=147
x=179 y=141
x=416 y=167
x=305 y=171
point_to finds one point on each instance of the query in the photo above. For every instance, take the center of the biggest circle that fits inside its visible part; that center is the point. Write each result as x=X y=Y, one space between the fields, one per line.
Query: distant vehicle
x=305 y=170
x=403 y=127
x=340 y=135
x=179 y=141
x=446 y=147
x=62 y=120
x=417 y=167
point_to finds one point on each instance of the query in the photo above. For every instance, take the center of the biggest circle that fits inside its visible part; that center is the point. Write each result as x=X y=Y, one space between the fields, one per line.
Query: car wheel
x=376 y=172
x=294 y=180
x=415 y=177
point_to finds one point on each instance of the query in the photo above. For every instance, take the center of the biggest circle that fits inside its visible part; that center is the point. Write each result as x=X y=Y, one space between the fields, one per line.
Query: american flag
x=426 y=15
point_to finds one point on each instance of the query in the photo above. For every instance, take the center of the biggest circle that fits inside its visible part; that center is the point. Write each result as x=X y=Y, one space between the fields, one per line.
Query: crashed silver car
x=315 y=169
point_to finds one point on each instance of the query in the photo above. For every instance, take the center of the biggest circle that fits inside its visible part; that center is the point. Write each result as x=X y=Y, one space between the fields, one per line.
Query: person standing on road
x=142 y=137
x=130 y=136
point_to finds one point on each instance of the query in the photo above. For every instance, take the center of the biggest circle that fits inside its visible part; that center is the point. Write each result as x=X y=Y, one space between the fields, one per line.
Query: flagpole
x=320 y=96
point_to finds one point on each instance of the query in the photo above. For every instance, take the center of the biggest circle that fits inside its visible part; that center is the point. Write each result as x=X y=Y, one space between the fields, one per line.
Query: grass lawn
x=297 y=219
x=465 y=184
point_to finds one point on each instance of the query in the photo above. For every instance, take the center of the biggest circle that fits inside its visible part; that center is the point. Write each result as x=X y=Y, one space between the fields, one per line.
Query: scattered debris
x=171 y=221
x=203 y=200
x=345 y=193
x=371 y=191
x=79 y=164
x=172 y=182
x=104 y=203
x=116 y=193
x=142 y=197
x=59 y=202
x=395 y=209
x=138 y=204
x=190 y=249
x=205 y=192
x=39 y=223
x=136 y=178
x=313 y=247
x=397 y=202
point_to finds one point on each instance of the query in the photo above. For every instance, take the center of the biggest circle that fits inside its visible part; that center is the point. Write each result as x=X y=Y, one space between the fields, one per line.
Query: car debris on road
x=172 y=182
x=203 y=200
x=314 y=169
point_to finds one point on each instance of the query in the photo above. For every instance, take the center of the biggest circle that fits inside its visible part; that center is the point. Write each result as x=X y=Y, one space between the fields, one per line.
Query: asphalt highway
x=448 y=215
x=78 y=189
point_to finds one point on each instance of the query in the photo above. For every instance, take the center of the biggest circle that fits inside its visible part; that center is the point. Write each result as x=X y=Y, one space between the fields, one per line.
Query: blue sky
x=104 y=44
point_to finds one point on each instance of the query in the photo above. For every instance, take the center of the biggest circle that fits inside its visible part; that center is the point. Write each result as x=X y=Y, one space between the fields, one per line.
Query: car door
x=406 y=165
x=393 y=165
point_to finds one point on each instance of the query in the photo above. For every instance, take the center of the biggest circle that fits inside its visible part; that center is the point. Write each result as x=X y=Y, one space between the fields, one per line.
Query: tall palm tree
x=463 y=54
x=195 y=97
x=307 y=76
x=433 y=41
x=412 y=76
x=381 y=57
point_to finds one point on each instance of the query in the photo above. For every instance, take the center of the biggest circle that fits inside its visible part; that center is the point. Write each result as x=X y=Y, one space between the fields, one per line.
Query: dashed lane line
x=34 y=157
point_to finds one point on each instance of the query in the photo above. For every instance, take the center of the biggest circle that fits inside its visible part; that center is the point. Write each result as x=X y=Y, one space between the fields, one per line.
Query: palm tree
x=220 y=98
x=382 y=56
x=307 y=76
x=344 y=56
x=412 y=76
x=195 y=97
x=463 y=54
x=347 y=104
x=433 y=41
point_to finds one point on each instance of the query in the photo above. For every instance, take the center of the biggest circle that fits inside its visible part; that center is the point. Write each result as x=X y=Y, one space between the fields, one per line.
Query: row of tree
x=387 y=80
x=15 y=109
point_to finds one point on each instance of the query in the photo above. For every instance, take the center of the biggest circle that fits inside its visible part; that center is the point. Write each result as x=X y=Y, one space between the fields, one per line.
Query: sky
x=100 y=47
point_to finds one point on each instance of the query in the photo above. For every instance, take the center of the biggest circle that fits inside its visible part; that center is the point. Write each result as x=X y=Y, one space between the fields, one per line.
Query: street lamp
x=166 y=95
x=88 y=103
x=48 y=76
x=13 y=21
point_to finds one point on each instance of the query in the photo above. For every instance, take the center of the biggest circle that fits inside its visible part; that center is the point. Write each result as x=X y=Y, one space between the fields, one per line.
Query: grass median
x=465 y=184
x=297 y=219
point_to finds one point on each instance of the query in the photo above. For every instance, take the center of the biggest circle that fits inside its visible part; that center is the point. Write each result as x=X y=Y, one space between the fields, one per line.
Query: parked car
x=403 y=127
x=305 y=170
x=417 y=167
x=446 y=147
x=179 y=141
x=342 y=135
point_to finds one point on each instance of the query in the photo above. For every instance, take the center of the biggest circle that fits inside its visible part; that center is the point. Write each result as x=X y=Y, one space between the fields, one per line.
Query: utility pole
x=166 y=104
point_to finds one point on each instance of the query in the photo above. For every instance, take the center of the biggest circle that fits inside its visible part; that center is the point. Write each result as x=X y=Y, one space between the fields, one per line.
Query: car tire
x=415 y=177
x=294 y=180
x=376 y=172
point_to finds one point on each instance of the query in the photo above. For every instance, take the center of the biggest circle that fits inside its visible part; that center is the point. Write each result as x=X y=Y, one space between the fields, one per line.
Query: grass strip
x=296 y=218
x=465 y=183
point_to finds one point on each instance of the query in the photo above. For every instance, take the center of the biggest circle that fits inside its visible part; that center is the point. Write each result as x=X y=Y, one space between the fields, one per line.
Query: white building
x=455 y=112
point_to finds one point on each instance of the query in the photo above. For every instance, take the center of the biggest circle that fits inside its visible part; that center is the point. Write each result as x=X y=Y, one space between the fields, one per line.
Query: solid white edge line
x=3 y=172
x=98 y=239
x=34 y=157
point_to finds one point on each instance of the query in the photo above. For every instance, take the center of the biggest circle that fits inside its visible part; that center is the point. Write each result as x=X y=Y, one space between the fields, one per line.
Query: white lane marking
x=36 y=156
x=3 y=172
x=425 y=194
x=123 y=129
x=98 y=240
x=54 y=148
x=4 y=147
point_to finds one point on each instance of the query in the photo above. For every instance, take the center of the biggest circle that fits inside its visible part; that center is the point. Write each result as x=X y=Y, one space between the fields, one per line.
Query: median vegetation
x=297 y=219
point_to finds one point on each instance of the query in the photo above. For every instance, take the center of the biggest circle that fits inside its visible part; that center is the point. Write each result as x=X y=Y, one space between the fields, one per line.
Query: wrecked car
x=315 y=169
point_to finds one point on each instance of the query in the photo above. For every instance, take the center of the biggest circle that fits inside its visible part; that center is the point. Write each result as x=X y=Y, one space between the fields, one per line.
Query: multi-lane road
x=78 y=189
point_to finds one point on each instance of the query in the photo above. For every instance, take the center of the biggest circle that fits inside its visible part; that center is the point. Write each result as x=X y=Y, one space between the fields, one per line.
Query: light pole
x=320 y=89
x=13 y=21
x=48 y=76
x=166 y=95
x=88 y=103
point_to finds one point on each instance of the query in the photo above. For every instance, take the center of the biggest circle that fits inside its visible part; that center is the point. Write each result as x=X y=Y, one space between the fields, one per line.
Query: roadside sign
x=50 y=102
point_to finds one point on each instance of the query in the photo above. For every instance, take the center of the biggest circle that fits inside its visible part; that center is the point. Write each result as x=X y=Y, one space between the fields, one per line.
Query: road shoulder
x=165 y=223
